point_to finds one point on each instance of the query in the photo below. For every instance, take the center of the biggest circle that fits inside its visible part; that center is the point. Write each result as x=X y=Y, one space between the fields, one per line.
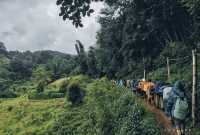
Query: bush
x=75 y=94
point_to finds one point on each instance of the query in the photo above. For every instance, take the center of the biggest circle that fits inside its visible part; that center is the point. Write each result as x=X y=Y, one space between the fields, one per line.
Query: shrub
x=75 y=94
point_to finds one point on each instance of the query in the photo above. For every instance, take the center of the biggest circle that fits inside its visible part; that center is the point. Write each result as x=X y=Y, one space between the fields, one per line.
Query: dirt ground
x=162 y=119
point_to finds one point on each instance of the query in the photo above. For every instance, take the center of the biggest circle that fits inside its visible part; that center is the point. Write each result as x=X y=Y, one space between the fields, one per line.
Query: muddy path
x=161 y=118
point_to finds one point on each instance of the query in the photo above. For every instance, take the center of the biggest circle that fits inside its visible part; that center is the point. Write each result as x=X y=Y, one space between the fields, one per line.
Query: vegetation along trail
x=161 y=118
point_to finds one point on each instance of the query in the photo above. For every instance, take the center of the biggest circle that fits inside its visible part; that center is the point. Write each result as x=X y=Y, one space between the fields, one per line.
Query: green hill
x=105 y=110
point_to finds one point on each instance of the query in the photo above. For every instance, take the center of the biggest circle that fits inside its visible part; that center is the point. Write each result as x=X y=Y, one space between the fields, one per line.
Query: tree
x=75 y=94
x=193 y=7
x=82 y=57
x=40 y=73
x=57 y=66
x=3 y=49
x=20 y=68
x=42 y=57
x=135 y=30
x=74 y=10
x=92 y=63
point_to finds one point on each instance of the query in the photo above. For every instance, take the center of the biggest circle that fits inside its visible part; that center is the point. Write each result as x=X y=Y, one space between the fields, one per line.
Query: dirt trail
x=161 y=119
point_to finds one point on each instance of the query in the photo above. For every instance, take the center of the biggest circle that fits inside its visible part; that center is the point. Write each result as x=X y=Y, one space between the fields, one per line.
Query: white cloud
x=35 y=25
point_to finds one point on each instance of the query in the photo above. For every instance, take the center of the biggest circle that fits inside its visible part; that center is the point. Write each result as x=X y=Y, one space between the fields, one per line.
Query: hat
x=179 y=85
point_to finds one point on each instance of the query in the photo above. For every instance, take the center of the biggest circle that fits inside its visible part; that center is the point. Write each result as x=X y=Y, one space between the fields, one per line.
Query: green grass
x=21 y=116
x=105 y=110
x=56 y=84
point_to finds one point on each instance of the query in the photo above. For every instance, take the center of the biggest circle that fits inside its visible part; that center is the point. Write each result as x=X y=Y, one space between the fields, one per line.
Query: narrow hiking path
x=161 y=118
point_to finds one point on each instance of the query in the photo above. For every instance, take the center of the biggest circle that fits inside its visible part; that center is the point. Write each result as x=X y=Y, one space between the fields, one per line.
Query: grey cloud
x=35 y=25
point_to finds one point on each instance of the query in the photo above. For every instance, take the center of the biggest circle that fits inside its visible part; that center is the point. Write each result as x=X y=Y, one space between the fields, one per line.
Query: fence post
x=168 y=69
x=144 y=68
x=194 y=87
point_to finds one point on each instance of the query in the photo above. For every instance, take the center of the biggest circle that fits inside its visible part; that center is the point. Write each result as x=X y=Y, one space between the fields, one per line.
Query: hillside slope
x=27 y=117
x=105 y=110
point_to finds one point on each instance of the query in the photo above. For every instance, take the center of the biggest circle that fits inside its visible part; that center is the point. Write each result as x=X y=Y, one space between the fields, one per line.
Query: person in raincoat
x=148 y=87
x=166 y=95
x=121 y=83
x=177 y=107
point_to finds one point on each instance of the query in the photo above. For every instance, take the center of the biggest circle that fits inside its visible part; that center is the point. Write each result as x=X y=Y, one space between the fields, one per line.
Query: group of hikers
x=174 y=100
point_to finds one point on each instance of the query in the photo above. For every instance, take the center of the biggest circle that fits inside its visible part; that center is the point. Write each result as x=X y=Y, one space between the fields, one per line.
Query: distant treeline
x=17 y=68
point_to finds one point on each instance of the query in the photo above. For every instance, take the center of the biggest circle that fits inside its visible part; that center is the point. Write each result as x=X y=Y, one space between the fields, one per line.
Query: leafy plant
x=75 y=94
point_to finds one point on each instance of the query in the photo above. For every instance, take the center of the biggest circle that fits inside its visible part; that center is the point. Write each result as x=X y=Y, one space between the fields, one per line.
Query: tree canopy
x=134 y=33
x=74 y=10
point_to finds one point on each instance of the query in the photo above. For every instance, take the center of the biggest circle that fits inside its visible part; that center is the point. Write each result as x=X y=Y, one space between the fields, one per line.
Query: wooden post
x=144 y=68
x=194 y=87
x=168 y=69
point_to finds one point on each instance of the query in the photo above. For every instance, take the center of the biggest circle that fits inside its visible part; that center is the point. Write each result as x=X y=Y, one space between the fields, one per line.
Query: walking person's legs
x=165 y=107
x=178 y=126
x=183 y=127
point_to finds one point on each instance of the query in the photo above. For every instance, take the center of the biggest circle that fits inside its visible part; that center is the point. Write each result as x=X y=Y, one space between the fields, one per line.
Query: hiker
x=132 y=83
x=157 y=92
x=121 y=83
x=140 y=86
x=177 y=107
x=162 y=94
x=166 y=94
x=135 y=85
x=124 y=83
x=128 y=83
x=148 y=87
x=113 y=83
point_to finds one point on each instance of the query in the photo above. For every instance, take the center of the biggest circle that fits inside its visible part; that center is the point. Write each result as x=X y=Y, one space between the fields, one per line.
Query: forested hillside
x=41 y=94
x=22 y=71
x=54 y=93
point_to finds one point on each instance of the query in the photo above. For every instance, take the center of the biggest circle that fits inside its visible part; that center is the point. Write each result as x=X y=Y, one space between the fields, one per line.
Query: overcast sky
x=35 y=25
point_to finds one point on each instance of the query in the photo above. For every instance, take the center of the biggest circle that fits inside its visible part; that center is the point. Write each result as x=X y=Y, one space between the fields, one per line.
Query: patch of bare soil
x=161 y=119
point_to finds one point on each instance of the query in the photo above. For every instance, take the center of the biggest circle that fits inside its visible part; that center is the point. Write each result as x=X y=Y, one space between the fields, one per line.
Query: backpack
x=166 y=92
x=181 y=108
